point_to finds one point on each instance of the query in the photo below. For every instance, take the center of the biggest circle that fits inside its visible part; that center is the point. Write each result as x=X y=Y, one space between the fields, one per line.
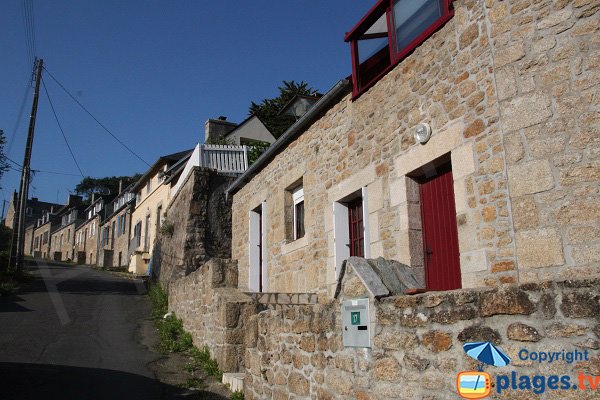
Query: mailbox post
x=356 y=329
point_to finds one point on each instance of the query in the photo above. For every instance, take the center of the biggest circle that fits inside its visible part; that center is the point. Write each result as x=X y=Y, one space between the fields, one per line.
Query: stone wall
x=547 y=68
x=296 y=351
x=201 y=220
x=214 y=311
x=510 y=90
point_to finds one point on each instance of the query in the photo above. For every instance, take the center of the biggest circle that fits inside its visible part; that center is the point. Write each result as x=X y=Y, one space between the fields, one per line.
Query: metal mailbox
x=356 y=326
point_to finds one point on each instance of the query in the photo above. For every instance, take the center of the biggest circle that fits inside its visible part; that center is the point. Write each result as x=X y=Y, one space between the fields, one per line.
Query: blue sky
x=153 y=71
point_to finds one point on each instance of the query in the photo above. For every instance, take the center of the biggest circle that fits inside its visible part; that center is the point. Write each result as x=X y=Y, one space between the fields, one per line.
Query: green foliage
x=268 y=109
x=107 y=185
x=167 y=228
x=194 y=382
x=200 y=359
x=3 y=161
x=173 y=338
x=159 y=299
x=237 y=395
x=220 y=141
x=256 y=150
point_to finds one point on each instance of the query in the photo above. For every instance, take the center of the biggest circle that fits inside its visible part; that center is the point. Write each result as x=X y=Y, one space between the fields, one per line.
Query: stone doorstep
x=235 y=380
x=284 y=298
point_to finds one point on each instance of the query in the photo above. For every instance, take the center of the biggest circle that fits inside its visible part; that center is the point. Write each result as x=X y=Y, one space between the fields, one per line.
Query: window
x=137 y=234
x=158 y=218
x=388 y=33
x=149 y=186
x=45 y=239
x=298 y=198
x=68 y=235
x=356 y=228
x=123 y=223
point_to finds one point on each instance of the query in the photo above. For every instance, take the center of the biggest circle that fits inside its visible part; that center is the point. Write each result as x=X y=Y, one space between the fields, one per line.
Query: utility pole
x=18 y=235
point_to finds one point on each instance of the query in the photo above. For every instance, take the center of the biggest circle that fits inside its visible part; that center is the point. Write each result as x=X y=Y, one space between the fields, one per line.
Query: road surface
x=73 y=334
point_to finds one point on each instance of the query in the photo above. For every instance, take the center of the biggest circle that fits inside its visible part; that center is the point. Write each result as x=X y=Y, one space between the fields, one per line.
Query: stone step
x=234 y=380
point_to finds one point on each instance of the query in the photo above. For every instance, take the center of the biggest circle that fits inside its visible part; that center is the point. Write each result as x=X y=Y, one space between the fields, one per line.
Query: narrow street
x=73 y=333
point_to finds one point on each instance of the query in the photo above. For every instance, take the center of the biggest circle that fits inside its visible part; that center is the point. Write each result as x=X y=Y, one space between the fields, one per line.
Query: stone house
x=465 y=146
x=87 y=235
x=151 y=198
x=42 y=233
x=247 y=132
x=115 y=231
x=34 y=210
x=63 y=236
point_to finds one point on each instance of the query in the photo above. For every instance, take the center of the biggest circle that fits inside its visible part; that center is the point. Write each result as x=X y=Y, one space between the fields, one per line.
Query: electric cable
x=61 y=129
x=96 y=119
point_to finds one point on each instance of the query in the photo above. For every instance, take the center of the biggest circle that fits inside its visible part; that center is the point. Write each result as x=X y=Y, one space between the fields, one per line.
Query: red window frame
x=356 y=228
x=381 y=7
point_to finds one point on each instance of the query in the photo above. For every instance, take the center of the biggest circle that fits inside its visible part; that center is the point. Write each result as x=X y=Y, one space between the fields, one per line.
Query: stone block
x=527 y=110
x=525 y=213
x=531 y=177
x=398 y=191
x=507 y=300
x=509 y=55
x=523 y=333
x=437 y=341
x=539 y=248
x=586 y=254
x=387 y=369
x=473 y=261
x=559 y=329
x=479 y=333
x=463 y=161
x=298 y=384
x=506 y=83
x=581 y=305
x=396 y=340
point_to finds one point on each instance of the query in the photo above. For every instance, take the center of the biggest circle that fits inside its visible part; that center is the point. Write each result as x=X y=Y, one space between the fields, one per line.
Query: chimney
x=93 y=197
x=217 y=128
x=120 y=185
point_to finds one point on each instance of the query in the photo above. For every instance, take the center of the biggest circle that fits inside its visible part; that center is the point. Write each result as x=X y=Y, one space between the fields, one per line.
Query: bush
x=159 y=299
x=173 y=338
x=237 y=395
x=167 y=228
x=201 y=360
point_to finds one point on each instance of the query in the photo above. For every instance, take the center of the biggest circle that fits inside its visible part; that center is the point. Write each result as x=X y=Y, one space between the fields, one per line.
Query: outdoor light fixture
x=422 y=133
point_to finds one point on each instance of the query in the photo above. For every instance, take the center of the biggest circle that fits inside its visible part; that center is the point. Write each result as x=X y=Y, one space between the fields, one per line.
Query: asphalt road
x=73 y=334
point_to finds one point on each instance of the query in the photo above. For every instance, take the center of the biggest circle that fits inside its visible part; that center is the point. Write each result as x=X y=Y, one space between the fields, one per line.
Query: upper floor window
x=298 y=198
x=388 y=33
x=149 y=186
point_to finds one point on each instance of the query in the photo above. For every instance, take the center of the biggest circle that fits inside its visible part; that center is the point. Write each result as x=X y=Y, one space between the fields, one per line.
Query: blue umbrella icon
x=486 y=352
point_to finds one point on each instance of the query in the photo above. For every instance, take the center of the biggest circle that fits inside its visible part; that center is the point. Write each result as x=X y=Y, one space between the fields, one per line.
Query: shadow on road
x=42 y=381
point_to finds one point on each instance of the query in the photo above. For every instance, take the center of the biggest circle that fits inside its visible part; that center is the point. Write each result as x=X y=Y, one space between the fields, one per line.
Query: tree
x=268 y=109
x=3 y=161
x=107 y=185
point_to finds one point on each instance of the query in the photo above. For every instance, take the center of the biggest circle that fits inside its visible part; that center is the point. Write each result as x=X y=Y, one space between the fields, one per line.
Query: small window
x=388 y=33
x=298 y=198
x=149 y=186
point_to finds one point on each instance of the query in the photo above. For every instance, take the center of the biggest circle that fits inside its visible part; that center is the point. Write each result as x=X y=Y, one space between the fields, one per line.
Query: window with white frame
x=298 y=210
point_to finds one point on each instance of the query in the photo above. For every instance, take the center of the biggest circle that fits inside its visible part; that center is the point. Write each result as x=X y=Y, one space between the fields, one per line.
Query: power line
x=29 y=25
x=53 y=172
x=95 y=119
x=61 y=129
x=14 y=162
x=19 y=118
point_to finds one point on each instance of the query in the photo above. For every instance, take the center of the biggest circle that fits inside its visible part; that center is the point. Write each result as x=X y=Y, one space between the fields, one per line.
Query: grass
x=200 y=359
x=237 y=395
x=173 y=338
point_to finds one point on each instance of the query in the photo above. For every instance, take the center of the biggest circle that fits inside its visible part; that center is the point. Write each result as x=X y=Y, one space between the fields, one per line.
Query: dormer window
x=388 y=33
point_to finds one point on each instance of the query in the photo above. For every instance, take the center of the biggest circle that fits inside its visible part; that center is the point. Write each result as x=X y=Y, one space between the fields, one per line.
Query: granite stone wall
x=214 y=311
x=296 y=351
x=199 y=218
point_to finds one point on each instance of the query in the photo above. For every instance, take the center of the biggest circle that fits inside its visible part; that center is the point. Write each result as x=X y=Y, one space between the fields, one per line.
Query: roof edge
x=323 y=103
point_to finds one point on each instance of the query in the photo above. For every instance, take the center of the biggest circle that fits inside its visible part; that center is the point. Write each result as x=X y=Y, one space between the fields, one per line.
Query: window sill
x=295 y=245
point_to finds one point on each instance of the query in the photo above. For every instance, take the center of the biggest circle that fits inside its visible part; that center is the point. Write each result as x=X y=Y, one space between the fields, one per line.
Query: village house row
x=464 y=146
x=119 y=230
x=463 y=152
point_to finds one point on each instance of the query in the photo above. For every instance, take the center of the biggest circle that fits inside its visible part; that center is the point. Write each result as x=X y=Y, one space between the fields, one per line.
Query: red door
x=440 y=236
x=356 y=228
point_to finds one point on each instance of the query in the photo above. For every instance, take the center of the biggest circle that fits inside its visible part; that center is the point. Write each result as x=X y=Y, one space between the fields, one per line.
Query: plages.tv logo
x=478 y=384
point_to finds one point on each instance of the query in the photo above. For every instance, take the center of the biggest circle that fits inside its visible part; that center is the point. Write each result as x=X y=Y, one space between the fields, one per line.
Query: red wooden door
x=260 y=252
x=356 y=228
x=440 y=236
